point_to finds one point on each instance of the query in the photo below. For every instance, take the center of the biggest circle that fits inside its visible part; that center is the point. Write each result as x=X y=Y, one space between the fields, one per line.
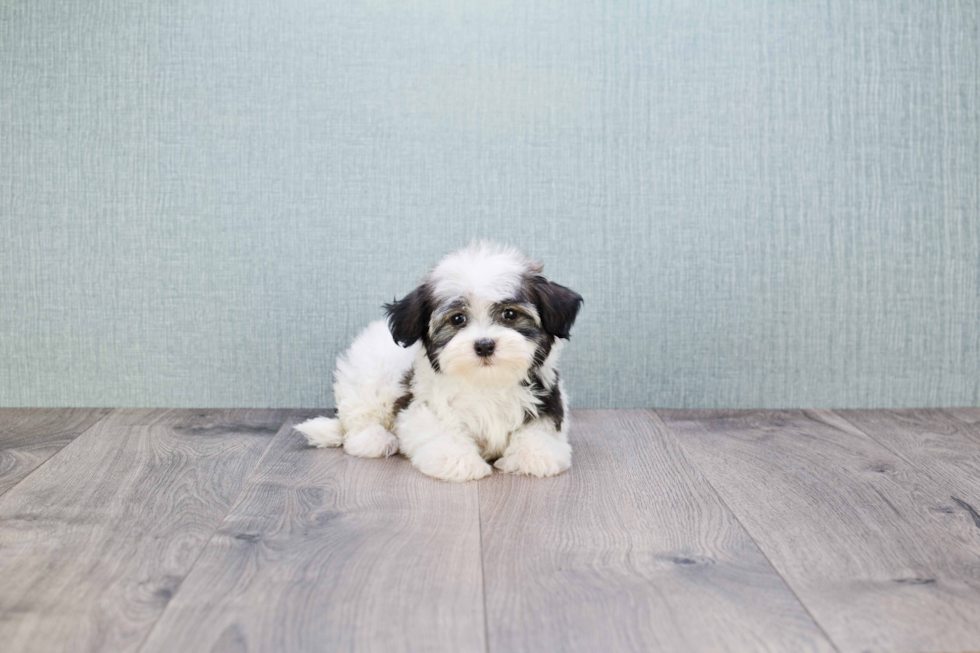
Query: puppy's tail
x=322 y=431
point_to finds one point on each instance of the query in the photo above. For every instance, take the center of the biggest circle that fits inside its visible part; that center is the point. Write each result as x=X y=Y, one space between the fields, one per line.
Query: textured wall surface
x=763 y=203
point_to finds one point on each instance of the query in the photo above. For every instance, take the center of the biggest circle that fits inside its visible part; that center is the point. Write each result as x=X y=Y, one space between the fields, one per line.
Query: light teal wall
x=763 y=203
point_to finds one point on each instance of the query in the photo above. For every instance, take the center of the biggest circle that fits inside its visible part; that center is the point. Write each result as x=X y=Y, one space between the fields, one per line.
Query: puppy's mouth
x=486 y=362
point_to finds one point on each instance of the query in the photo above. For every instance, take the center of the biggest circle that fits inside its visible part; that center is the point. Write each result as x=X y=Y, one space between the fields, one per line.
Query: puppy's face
x=487 y=342
x=485 y=315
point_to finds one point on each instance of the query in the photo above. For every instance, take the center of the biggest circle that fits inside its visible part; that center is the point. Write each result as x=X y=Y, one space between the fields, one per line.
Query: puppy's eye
x=458 y=320
x=509 y=314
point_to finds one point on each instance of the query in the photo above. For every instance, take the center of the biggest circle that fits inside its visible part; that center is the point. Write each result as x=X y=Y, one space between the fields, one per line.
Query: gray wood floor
x=219 y=530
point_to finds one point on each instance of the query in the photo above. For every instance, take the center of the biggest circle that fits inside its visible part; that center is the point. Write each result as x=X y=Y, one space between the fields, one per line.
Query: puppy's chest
x=489 y=416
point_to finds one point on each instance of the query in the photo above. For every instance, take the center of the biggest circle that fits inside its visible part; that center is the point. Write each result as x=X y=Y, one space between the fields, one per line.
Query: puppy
x=463 y=372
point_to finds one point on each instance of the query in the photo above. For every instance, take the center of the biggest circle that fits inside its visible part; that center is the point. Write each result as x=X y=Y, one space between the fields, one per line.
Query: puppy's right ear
x=408 y=318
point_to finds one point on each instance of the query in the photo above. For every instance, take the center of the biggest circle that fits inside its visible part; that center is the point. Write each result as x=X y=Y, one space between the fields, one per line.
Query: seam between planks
x=78 y=437
x=217 y=526
x=483 y=575
x=884 y=445
x=738 y=520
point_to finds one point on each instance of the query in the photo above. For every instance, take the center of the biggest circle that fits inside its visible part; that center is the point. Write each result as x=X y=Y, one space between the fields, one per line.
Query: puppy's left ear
x=408 y=318
x=557 y=305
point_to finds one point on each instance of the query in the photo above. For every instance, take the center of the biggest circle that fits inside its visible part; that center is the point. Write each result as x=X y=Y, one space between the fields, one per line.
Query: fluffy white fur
x=465 y=409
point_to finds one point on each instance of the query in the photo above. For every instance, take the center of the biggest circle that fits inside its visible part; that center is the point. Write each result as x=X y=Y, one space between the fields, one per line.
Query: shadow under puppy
x=463 y=372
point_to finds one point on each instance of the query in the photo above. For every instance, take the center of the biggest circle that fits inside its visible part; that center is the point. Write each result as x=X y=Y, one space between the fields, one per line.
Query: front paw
x=450 y=464
x=541 y=457
x=372 y=442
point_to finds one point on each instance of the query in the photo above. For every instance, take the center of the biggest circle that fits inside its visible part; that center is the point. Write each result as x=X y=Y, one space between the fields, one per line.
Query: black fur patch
x=408 y=318
x=432 y=352
x=545 y=342
x=407 y=397
x=408 y=321
x=549 y=401
x=557 y=305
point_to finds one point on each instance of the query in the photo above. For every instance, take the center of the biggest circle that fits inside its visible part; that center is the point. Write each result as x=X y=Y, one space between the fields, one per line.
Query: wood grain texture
x=631 y=550
x=933 y=441
x=95 y=542
x=328 y=552
x=969 y=416
x=875 y=548
x=29 y=436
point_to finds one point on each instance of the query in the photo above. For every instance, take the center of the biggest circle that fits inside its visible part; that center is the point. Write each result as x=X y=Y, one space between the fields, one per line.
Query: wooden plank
x=875 y=549
x=94 y=543
x=329 y=552
x=29 y=436
x=631 y=550
x=969 y=416
x=933 y=441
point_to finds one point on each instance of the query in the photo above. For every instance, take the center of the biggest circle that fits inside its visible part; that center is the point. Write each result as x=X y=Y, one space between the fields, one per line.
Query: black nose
x=484 y=347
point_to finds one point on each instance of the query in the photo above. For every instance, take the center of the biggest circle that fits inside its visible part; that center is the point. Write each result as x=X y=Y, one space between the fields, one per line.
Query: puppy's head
x=485 y=314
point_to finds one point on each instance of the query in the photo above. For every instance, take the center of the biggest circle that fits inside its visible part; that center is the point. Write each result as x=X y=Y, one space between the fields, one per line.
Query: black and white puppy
x=463 y=372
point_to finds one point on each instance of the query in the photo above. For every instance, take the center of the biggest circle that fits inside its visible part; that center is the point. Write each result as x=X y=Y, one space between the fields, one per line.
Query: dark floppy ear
x=408 y=318
x=557 y=305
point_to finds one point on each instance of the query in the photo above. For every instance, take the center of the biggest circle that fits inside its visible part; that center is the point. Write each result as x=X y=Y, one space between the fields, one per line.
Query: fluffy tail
x=322 y=431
